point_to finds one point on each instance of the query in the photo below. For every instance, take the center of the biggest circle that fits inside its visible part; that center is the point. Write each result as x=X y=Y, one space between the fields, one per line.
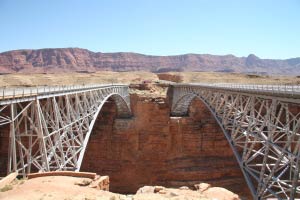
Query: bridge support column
x=41 y=137
x=12 y=155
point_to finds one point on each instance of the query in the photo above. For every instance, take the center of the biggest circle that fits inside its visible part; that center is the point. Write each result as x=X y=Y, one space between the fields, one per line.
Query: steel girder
x=263 y=132
x=51 y=133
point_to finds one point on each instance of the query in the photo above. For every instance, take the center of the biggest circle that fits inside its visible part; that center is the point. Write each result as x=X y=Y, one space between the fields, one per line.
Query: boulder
x=83 y=182
x=101 y=183
x=145 y=189
x=158 y=188
x=184 y=188
x=202 y=186
x=220 y=194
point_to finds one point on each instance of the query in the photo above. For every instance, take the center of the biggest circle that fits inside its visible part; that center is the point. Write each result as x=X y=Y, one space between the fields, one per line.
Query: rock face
x=78 y=188
x=170 y=77
x=159 y=192
x=154 y=149
x=82 y=60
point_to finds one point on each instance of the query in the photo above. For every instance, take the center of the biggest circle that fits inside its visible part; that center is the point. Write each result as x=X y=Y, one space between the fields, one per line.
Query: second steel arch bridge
x=262 y=126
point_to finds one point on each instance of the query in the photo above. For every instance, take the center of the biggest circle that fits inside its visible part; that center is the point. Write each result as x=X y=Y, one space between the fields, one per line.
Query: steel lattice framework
x=50 y=130
x=262 y=128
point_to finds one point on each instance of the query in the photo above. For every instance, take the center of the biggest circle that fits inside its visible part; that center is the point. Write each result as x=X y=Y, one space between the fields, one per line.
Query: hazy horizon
x=245 y=56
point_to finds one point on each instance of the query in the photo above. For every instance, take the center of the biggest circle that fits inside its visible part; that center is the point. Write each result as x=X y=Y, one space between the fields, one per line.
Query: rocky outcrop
x=79 y=188
x=159 y=192
x=170 y=77
x=82 y=60
x=153 y=149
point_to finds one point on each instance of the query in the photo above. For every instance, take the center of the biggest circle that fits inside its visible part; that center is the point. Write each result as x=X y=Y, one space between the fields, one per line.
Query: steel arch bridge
x=49 y=127
x=262 y=126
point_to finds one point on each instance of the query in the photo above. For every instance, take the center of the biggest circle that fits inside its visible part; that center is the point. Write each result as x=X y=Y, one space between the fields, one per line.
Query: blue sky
x=267 y=28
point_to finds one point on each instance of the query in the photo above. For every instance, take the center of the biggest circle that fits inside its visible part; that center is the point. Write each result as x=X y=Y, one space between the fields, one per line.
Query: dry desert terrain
x=20 y=79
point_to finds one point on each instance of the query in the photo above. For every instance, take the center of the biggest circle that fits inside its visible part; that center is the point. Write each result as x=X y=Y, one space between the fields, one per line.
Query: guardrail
x=11 y=93
x=285 y=90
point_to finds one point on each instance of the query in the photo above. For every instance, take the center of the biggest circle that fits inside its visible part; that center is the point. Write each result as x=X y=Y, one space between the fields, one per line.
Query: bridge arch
x=123 y=111
x=181 y=108
x=263 y=133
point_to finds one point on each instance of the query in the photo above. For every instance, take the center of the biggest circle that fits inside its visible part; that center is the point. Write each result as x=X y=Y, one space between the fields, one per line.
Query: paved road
x=284 y=90
x=6 y=93
x=275 y=88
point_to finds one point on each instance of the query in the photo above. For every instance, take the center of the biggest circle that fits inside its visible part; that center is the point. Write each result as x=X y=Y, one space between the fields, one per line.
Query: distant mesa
x=253 y=60
x=59 y=60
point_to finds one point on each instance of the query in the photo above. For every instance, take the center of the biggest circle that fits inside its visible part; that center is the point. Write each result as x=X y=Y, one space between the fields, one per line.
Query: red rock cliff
x=76 y=59
x=154 y=149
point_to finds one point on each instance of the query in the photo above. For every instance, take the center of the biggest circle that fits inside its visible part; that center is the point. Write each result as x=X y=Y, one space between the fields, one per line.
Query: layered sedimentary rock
x=82 y=60
x=81 y=187
x=4 y=147
x=153 y=149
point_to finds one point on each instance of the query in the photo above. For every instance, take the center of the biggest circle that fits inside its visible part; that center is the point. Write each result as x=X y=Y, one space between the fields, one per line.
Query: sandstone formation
x=170 y=77
x=184 y=193
x=78 y=188
x=153 y=149
x=82 y=60
x=54 y=187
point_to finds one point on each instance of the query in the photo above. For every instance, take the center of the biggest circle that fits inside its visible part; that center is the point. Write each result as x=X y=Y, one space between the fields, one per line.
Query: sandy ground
x=53 y=187
x=66 y=188
x=75 y=78
x=217 y=77
x=10 y=80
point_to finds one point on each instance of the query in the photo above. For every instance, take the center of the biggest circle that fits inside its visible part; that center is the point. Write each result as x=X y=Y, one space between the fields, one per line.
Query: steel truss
x=263 y=132
x=51 y=133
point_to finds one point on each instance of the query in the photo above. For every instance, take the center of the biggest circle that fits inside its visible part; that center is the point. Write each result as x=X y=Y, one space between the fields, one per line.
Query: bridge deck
x=14 y=95
x=290 y=93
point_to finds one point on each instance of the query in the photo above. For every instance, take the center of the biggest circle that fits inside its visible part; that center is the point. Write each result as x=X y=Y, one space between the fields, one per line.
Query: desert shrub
x=253 y=76
x=6 y=188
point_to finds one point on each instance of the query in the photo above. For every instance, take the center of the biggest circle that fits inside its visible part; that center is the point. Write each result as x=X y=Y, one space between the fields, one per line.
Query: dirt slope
x=17 y=79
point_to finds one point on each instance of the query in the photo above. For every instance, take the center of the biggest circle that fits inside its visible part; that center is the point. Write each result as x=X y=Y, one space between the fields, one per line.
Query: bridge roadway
x=21 y=94
x=290 y=91
x=49 y=127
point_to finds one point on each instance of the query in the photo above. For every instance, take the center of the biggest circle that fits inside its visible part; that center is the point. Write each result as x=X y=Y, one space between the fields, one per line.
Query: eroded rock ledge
x=202 y=191
x=54 y=186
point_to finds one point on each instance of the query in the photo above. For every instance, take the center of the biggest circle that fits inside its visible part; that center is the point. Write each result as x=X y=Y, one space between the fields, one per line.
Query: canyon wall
x=82 y=60
x=4 y=147
x=154 y=149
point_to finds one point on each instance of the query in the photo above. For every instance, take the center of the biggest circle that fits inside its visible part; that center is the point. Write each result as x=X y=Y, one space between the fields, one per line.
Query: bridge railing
x=11 y=93
x=289 y=90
